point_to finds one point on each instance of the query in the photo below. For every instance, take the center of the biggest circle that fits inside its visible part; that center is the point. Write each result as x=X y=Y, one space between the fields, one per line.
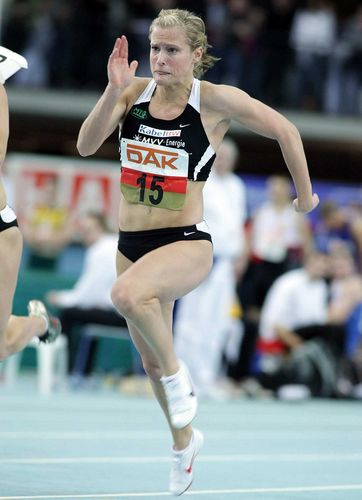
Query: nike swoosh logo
x=186 y=125
x=188 y=234
x=189 y=469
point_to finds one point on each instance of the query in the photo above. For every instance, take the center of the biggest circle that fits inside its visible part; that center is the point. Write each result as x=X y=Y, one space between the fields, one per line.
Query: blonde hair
x=194 y=28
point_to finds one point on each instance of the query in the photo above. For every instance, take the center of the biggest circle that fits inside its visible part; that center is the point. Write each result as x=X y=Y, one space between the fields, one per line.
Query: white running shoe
x=182 y=462
x=181 y=398
x=10 y=63
x=53 y=326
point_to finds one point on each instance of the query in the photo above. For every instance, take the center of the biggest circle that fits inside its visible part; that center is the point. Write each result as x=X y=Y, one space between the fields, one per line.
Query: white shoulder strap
x=194 y=99
x=147 y=93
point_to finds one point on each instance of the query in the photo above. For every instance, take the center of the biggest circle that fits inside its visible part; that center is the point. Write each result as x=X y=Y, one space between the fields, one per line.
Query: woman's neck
x=174 y=93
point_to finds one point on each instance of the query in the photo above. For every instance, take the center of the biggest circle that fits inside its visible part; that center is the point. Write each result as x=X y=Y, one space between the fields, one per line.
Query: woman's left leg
x=15 y=332
x=181 y=437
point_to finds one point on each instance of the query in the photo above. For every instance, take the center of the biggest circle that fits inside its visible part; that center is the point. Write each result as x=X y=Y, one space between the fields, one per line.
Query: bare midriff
x=138 y=217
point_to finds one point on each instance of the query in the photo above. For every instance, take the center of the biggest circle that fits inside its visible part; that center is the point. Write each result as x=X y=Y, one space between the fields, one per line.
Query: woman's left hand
x=306 y=207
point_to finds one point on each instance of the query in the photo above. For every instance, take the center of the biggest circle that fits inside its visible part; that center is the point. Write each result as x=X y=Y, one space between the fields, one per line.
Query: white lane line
x=89 y=435
x=86 y=435
x=239 y=491
x=282 y=457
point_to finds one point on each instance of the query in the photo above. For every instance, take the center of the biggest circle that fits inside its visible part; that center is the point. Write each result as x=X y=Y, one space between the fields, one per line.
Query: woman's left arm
x=234 y=104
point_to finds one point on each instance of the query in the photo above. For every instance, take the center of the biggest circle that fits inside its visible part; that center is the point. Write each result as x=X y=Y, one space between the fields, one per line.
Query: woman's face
x=171 y=58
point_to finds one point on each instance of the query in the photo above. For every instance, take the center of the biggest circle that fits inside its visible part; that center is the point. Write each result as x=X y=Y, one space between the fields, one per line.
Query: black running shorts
x=135 y=244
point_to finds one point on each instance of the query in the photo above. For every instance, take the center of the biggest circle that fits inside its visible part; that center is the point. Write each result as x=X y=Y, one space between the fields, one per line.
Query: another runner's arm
x=111 y=107
x=234 y=104
x=4 y=123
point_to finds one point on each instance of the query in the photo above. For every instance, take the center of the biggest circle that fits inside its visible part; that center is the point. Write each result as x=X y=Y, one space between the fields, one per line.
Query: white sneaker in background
x=181 y=398
x=10 y=63
x=181 y=475
x=294 y=392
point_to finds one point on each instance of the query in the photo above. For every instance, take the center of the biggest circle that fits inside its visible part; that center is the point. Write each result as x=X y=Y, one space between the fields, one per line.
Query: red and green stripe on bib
x=160 y=191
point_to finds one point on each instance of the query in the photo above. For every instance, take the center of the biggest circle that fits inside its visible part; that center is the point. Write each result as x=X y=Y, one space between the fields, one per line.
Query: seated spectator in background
x=89 y=301
x=339 y=227
x=296 y=299
x=300 y=307
x=278 y=237
x=203 y=322
x=47 y=228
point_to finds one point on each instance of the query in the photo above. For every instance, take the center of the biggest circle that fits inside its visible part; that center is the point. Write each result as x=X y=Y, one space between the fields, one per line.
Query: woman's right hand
x=120 y=73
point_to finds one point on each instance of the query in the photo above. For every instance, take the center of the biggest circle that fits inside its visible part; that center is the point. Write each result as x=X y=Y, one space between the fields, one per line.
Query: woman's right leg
x=151 y=362
x=181 y=437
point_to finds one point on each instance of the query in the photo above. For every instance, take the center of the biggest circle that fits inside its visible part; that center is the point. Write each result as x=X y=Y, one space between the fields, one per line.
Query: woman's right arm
x=4 y=123
x=111 y=107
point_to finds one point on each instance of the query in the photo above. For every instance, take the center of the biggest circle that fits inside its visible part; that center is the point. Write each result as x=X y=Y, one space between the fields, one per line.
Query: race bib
x=154 y=175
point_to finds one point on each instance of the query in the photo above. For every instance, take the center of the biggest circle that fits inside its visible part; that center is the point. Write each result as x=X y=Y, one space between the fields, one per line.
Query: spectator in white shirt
x=89 y=300
x=296 y=299
x=203 y=324
x=296 y=310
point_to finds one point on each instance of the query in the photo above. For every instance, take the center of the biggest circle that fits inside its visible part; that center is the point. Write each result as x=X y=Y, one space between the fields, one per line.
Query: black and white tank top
x=159 y=156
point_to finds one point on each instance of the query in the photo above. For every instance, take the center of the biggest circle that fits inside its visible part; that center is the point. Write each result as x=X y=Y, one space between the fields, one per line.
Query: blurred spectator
x=297 y=298
x=48 y=227
x=350 y=57
x=278 y=237
x=346 y=285
x=89 y=35
x=243 y=56
x=278 y=53
x=37 y=46
x=216 y=19
x=339 y=227
x=18 y=18
x=346 y=308
x=60 y=50
x=89 y=301
x=203 y=323
x=305 y=323
x=313 y=37
x=295 y=313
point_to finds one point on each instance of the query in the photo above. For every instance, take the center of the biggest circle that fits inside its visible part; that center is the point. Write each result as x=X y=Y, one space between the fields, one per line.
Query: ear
x=198 y=54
